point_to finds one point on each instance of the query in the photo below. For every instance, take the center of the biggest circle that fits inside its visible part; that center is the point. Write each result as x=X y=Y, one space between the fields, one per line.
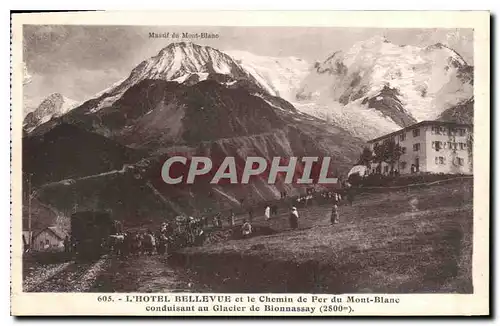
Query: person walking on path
x=267 y=213
x=219 y=221
x=230 y=218
x=350 y=193
x=294 y=218
x=334 y=218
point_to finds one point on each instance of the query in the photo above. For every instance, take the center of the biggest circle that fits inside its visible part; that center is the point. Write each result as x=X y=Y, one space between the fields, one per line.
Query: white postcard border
x=411 y=304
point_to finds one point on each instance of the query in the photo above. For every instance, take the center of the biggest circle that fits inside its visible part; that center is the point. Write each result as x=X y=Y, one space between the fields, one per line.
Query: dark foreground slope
x=381 y=245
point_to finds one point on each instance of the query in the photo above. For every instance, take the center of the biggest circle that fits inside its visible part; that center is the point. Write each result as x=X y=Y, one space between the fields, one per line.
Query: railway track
x=42 y=274
x=69 y=277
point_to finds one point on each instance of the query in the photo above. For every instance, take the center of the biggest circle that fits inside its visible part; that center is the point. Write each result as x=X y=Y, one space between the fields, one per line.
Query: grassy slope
x=381 y=245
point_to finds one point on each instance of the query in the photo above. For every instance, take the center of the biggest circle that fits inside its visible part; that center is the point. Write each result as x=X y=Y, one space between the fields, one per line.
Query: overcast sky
x=80 y=61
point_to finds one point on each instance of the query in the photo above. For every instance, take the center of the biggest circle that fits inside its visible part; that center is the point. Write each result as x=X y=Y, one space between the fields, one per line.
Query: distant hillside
x=461 y=113
x=55 y=105
x=67 y=151
x=127 y=198
x=43 y=216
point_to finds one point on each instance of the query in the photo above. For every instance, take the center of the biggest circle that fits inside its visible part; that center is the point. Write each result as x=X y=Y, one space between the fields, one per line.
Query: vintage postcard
x=250 y=163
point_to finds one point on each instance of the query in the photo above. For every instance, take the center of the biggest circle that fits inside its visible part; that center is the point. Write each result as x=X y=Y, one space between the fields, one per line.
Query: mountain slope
x=67 y=151
x=188 y=100
x=400 y=84
x=95 y=167
x=280 y=76
x=45 y=215
x=461 y=113
x=55 y=105
x=177 y=62
x=182 y=62
x=202 y=112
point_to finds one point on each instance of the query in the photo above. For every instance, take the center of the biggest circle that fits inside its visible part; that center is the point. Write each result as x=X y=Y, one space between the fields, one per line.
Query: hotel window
x=437 y=145
x=461 y=132
x=416 y=132
x=439 y=160
x=463 y=146
x=460 y=161
x=402 y=137
x=416 y=147
x=438 y=130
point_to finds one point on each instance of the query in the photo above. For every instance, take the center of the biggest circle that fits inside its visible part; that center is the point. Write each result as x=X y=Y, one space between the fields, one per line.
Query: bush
x=355 y=179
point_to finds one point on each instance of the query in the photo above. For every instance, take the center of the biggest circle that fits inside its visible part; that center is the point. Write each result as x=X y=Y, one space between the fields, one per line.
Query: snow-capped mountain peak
x=182 y=58
x=280 y=76
x=399 y=83
x=372 y=88
x=448 y=52
x=55 y=105
x=180 y=61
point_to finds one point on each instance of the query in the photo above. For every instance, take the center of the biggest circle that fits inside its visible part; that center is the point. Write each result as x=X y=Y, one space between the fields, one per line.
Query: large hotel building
x=430 y=146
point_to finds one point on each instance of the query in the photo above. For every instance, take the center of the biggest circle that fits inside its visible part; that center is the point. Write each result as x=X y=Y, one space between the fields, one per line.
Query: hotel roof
x=419 y=124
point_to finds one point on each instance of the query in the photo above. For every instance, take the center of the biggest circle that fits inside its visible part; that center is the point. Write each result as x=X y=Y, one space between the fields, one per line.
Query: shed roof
x=60 y=234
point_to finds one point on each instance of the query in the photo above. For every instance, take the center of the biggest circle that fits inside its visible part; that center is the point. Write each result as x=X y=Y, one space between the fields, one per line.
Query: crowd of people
x=180 y=232
x=333 y=197
x=330 y=196
x=271 y=210
x=187 y=230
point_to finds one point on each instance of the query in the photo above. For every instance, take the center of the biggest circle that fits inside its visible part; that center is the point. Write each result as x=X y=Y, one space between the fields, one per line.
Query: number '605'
x=104 y=298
